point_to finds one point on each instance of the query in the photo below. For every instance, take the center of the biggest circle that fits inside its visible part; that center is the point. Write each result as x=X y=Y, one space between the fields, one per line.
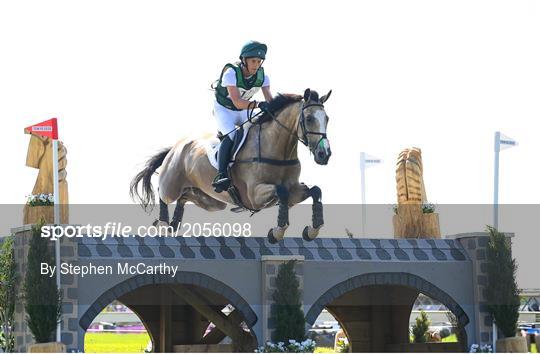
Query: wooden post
x=242 y=341
x=410 y=220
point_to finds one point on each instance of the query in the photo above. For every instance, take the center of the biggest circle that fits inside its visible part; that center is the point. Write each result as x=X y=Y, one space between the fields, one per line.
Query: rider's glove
x=263 y=106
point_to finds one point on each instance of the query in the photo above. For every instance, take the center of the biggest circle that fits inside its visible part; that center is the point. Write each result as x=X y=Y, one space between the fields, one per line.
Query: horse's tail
x=147 y=196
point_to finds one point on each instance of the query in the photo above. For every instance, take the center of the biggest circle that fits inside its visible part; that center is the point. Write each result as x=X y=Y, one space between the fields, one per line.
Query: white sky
x=126 y=78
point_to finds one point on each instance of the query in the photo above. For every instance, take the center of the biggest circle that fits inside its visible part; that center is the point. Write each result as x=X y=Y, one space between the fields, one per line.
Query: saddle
x=212 y=152
x=212 y=148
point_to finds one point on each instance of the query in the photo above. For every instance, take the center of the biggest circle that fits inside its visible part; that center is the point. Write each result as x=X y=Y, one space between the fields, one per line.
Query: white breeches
x=227 y=119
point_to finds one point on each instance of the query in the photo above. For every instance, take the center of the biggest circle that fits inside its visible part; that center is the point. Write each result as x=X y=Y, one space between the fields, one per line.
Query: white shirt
x=229 y=79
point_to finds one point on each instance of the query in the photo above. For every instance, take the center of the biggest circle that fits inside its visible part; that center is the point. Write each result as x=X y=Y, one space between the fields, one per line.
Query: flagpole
x=56 y=195
x=497 y=147
x=496 y=181
x=505 y=142
x=363 y=187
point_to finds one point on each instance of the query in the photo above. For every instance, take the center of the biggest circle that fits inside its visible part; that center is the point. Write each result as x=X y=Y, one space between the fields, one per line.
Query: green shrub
x=287 y=311
x=445 y=332
x=502 y=293
x=8 y=280
x=43 y=303
x=420 y=328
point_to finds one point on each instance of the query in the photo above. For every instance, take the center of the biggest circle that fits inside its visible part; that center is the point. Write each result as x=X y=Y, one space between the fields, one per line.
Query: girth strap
x=270 y=161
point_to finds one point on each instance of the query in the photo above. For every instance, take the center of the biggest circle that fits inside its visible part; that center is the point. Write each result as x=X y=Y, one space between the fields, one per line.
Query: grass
x=136 y=343
x=115 y=342
x=450 y=338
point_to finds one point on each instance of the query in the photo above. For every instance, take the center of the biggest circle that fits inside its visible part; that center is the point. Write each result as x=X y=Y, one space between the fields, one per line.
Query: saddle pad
x=212 y=147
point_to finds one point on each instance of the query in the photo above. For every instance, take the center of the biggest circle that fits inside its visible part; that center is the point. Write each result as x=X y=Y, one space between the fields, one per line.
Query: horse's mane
x=279 y=103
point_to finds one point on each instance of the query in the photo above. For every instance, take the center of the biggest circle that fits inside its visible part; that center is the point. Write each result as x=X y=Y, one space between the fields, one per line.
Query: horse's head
x=312 y=126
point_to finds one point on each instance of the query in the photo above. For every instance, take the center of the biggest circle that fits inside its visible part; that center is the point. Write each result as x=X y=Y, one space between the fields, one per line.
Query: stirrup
x=221 y=183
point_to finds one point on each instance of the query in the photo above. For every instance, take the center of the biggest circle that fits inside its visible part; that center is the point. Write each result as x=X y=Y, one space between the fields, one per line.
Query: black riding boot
x=222 y=181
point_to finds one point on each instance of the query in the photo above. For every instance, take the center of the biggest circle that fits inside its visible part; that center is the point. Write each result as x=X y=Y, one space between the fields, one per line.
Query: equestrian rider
x=235 y=88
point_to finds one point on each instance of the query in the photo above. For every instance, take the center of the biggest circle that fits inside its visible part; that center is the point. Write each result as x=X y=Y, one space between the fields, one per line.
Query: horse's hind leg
x=178 y=213
x=163 y=214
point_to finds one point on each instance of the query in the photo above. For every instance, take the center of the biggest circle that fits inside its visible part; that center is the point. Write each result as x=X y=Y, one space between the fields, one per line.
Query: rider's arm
x=238 y=102
x=267 y=94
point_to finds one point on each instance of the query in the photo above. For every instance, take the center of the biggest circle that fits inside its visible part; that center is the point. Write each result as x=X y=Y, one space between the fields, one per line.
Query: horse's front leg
x=310 y=232
x=266 y=194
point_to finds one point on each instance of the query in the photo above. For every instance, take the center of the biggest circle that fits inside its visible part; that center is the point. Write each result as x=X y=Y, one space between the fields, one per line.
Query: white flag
x=368 y=160
x=506 y=142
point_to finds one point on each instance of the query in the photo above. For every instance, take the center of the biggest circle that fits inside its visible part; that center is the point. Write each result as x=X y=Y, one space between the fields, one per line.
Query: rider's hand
x=263 y=106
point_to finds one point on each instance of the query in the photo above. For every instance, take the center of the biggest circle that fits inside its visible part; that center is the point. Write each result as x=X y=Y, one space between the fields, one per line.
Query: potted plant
x=502 y=293
x=39 y=206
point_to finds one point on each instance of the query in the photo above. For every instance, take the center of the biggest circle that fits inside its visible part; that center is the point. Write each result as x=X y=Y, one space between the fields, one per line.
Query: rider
x=235 y=88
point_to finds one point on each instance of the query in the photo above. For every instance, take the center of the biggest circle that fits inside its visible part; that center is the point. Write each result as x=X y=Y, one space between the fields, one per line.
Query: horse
x=265 y=172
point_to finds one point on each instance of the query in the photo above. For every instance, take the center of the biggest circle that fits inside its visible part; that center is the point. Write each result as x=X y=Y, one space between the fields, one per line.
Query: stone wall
x=395 y=257
x=475 y=244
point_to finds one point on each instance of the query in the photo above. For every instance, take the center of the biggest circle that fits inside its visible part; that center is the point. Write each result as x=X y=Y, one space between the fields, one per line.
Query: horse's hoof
x=310 y=233
x=174 y=225
x=271 y=237
x=305 y=234
x=160 y=223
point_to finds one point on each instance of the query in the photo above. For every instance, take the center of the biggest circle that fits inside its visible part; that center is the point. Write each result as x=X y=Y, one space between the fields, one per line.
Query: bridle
x=301 y=123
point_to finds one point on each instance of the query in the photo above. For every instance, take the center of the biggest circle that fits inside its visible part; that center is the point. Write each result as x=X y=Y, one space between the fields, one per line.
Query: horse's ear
x=326 y=97
x=307 y=94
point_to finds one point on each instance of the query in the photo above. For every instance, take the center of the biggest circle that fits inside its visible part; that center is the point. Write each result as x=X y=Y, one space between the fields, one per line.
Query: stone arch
x=410 y=286
x=182 y=277
x=387 y=278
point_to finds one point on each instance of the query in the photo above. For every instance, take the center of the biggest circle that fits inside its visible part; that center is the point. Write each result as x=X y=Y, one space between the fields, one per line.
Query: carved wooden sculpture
x=410 y=221
x=39 y=156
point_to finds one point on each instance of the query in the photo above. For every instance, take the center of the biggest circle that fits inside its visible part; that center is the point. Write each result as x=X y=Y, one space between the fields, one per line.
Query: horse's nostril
x=320 y=154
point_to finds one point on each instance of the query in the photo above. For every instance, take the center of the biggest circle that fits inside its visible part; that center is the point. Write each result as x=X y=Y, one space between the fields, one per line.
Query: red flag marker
x=47 y=128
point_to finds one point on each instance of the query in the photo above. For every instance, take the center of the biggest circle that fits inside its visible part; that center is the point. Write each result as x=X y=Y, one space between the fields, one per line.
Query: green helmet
x=253 y=49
